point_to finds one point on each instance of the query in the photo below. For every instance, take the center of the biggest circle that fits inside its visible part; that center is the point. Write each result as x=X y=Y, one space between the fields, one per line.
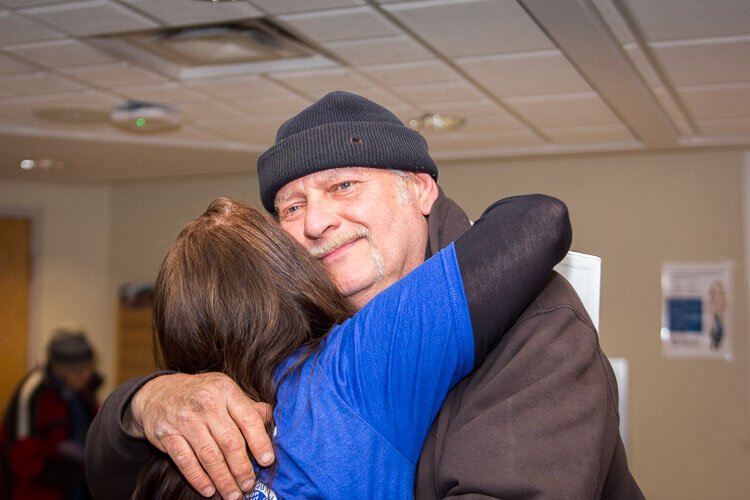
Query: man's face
x=75 y=377
x=366 y=225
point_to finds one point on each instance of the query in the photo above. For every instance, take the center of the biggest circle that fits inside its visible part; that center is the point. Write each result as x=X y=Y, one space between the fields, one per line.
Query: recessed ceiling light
x=145 y=117
x=436 y=121
x=46 y=164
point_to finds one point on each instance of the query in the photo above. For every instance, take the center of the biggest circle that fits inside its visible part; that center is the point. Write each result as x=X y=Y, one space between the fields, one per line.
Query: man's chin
x=361 y=295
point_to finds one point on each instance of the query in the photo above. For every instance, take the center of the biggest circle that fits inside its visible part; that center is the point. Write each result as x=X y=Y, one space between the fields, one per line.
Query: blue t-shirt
x=353 y=423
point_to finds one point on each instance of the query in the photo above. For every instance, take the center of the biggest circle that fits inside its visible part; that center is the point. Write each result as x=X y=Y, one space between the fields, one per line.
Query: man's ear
x=425 y=191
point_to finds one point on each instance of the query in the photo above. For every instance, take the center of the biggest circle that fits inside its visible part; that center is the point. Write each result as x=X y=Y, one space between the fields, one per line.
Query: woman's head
x=236 y=294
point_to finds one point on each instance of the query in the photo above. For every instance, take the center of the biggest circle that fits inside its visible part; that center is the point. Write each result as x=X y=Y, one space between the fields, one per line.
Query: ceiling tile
x=114 y=75
x=525 y=73
x=411 y=72
x=343 y=24
x=670 y=19
x=186 y=132
x=180 y=12
x=323 y=80
x=705 y=61
x=92 y=17
x=725 y=128
x=463 y=28
x=38 y=83
x=490 y=123
x=379 y=50
x=601 y=134
x=376 y=94
x=160 y=92
x=61 y=53
x=287 y=6
x=10 y=66
x=488 y=141
x=271 y=105
x=207 y=109
x=422 y=93
x=23 y=109
x=717 y=101
x=14 y=28
x=260 y=131
x=237 y=87
x=473 y=107
x=563 y=110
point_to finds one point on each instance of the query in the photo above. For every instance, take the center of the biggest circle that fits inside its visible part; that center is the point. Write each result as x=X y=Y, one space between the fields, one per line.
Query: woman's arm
x=505 y=260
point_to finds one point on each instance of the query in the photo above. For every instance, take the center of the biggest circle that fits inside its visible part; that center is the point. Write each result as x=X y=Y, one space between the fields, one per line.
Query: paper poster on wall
x=697 y=310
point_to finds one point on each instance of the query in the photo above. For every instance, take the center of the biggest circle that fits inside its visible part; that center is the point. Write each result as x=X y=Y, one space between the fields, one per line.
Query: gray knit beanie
x=340 y=130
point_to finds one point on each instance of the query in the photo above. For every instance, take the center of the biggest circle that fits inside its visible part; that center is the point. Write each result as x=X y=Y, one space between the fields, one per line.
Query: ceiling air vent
x=252 y=46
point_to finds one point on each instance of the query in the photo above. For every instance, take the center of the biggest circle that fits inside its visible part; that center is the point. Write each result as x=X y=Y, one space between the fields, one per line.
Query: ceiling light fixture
x=145 y=117
x=248 y=46
x=46 y=164
x=436 y=121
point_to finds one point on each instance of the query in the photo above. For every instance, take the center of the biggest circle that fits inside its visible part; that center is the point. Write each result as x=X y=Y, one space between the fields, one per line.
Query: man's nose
x=319 y=218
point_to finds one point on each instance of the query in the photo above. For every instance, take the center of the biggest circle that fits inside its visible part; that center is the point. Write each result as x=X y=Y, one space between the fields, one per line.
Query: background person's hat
x=340 y=130
x=69 y=347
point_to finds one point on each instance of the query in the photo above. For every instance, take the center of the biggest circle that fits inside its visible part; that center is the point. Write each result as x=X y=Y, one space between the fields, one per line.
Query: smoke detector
x=145 y=117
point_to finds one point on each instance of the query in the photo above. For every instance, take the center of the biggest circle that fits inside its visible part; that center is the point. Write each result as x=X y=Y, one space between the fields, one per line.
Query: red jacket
x=39 y=440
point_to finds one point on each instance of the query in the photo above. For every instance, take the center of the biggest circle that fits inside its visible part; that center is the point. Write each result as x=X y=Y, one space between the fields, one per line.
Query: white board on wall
x=584 y=272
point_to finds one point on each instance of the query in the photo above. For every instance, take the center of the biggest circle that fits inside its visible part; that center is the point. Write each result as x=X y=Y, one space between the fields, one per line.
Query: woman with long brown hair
x=353 y=395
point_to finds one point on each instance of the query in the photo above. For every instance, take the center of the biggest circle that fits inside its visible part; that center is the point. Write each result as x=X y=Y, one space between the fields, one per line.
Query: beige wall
x=72 y=227
x=148 y=216
x=688 y=420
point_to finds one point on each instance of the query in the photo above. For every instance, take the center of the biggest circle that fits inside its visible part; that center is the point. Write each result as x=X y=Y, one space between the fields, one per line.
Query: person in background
x=45 y=424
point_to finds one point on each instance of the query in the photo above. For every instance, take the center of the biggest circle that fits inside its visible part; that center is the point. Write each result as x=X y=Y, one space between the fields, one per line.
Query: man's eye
x=344 y=185
x=291 y=210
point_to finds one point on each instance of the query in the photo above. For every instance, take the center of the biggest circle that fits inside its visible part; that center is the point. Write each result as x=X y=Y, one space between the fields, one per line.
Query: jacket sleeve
x=114 y=457
x=505 y=259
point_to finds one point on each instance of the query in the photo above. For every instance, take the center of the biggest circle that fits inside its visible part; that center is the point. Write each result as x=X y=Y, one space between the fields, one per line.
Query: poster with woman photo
x=696 y=310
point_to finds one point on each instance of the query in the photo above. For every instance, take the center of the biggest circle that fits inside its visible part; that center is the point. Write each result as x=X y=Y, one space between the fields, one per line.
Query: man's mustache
x=322 y=250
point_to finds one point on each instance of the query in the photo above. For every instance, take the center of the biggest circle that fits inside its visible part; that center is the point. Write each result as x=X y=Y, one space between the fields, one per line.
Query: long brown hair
x=236 y=294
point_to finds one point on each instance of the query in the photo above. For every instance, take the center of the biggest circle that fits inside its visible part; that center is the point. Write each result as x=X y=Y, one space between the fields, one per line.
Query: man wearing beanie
x=358 y=189
x=46 y=421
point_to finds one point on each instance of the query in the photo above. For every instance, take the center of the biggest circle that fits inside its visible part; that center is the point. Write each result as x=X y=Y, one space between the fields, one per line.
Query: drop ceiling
x=531 y=77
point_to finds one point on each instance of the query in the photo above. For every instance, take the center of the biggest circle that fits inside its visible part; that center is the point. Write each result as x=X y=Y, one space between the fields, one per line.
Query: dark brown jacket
x=539 y=417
